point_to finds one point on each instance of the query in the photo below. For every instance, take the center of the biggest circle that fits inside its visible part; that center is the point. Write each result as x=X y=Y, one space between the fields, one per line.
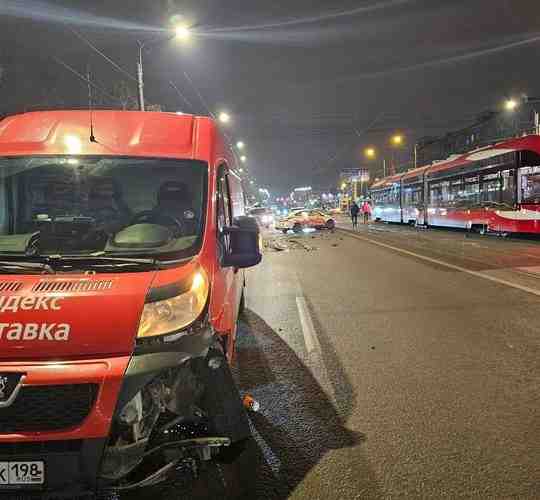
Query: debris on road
x=251 y=404
x=300 y=244
x=276 y=245
x=287 y=243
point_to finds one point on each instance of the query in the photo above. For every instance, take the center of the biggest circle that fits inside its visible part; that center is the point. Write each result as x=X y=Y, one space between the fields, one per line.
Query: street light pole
x=140 y=77
x=180 y=33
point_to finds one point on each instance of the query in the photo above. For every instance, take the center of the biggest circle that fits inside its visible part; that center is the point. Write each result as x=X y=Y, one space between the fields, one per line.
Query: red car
x=121 y=260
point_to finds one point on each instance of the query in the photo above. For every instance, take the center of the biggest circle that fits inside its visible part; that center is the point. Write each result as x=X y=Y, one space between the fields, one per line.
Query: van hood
x=68 y=316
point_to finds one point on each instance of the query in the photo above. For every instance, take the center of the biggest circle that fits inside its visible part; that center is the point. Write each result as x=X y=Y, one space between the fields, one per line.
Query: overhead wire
x=102 y=54
x=84 y=78
x=122 y=70
x=181 y=95
x=313 y=19
x=199 y=95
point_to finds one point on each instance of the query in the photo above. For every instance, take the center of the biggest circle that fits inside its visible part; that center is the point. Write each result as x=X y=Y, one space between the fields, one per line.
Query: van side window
x=224 y=216
x=224 y=201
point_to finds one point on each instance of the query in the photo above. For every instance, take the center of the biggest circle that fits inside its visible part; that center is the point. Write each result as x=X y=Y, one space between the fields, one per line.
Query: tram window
x=382 y=196
x=472 y=190
x=417 y=194
x=491 y=186
x=530 y=185
x=445 y=192
x=435 y=195
x=508 y=191
x=395 y=193
x=455 y=192
x=408 y=194
x=412 y=195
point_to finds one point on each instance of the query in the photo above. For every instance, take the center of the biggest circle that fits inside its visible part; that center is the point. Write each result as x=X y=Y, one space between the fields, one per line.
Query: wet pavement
x=384 y=375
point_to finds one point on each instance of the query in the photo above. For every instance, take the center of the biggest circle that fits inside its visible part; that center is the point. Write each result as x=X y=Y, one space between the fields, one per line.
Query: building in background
x=488 y=128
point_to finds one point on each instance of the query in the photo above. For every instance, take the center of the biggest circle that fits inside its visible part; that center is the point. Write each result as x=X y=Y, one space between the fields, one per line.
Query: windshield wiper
x=22 y=267
x=102 y=262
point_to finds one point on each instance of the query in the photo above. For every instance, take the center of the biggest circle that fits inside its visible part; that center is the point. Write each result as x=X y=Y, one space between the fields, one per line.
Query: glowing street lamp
x=224 y=117
x=240 y=145
x=369 y=153
x=243 y=159
x=182 y=33
x=397 y=140
x=510 y=104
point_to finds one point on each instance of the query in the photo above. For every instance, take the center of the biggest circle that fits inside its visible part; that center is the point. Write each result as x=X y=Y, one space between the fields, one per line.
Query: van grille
x=48 y=408
x=10 y=286
x=73 y=286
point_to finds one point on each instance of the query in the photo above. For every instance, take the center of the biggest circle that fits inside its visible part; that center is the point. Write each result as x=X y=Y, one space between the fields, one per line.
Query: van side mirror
x=245 y=249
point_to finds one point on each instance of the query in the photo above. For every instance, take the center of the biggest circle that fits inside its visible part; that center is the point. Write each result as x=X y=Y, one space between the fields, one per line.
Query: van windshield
x=101 y=205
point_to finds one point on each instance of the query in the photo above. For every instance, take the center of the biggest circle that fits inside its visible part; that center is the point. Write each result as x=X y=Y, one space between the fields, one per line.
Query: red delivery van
x=123 y=241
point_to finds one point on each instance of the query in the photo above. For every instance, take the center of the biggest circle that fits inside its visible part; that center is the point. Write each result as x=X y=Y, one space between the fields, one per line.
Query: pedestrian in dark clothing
x=354 y=214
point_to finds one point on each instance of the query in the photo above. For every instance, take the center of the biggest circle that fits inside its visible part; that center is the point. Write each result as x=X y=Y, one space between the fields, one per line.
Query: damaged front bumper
x=175 y=408
x=152 y=413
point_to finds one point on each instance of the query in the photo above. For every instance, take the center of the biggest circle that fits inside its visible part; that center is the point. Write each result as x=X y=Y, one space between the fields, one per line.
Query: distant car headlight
x=169 y=316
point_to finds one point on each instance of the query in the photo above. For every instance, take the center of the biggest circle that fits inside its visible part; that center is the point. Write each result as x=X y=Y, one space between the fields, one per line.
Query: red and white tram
x=496 y=188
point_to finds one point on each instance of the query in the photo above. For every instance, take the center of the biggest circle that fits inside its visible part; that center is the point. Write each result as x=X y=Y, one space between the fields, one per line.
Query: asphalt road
x=393 y=363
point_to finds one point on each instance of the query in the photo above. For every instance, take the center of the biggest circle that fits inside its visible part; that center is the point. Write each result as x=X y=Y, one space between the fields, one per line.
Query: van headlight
x=169 y=316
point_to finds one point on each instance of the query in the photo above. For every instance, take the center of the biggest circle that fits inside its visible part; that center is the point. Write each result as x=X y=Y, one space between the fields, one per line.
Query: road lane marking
x=313 y=348
x=308 y=330
x=478 y=274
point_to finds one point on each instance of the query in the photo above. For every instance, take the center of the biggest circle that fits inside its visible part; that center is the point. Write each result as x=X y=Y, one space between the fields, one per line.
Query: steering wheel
x=162 y=219
x=104 y=215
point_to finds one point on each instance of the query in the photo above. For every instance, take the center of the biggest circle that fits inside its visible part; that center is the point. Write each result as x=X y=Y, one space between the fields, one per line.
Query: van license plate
x=22 y=473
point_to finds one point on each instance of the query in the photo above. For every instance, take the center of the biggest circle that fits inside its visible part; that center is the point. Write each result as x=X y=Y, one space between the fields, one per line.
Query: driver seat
x=174 y=198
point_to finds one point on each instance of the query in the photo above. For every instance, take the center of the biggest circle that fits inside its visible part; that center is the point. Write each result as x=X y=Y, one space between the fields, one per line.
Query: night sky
x=302 y=79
